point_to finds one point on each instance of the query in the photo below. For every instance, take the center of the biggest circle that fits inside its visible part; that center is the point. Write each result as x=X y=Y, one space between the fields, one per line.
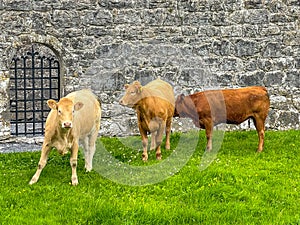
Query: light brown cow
x=74 y=118
x=232 y=106
x=154 y=106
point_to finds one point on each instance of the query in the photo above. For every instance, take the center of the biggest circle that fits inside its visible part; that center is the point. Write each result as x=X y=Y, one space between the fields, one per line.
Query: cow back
x=89 y=115
x=161 y=89
x=240 y=103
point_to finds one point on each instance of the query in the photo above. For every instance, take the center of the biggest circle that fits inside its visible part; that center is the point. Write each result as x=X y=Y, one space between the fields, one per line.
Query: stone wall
x=4 y=106
x=195 y=45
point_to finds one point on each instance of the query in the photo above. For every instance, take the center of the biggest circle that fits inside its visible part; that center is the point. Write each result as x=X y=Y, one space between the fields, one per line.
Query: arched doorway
x=34 y=78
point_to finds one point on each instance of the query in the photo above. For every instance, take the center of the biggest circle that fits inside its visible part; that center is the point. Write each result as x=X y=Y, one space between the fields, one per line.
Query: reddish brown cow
x=74 y=118
x=154 y=106
x=232 y=106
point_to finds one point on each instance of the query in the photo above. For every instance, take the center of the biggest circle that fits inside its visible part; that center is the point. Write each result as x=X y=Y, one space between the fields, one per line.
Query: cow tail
x=99 y=100
x=267 y=94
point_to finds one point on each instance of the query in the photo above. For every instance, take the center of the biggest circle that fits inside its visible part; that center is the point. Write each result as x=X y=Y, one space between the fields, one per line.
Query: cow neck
x=144 y=94
x=191 y=111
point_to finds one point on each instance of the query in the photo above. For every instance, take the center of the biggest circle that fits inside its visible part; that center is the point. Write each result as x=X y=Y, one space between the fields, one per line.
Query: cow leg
x=168 y=133
x=154 y=127
x=208 y=131
x=90 y=151
x=87 y=150
x=42 y=163
x=153 y=140
x=73 y=162
x=145 y=143
x=260 y=128
x=91 y=147
x=159 y=137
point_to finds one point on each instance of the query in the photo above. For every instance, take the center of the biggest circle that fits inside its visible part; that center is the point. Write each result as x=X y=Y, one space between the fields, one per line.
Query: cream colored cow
x=74 y=118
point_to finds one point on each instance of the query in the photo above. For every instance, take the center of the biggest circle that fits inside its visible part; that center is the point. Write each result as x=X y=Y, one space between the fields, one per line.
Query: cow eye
x=59 y=112
x=132 y=92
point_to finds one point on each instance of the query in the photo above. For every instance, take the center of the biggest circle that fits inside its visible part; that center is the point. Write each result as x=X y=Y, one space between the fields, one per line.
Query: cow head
x=132 y=94
x=65 y=110
x=179 y=103
x=185 y=107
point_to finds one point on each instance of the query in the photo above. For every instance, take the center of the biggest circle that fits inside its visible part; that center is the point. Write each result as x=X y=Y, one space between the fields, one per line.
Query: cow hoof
x=32 y=182
x=208 y=149
x=158 y=156
x=74 y=181
x=145 y=157
x=88 y=168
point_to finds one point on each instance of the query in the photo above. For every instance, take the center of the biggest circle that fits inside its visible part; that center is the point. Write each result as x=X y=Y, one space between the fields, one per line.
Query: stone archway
x=36 y=69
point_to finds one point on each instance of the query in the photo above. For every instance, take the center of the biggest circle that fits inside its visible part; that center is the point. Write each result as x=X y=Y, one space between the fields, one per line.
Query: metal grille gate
x=34 y=79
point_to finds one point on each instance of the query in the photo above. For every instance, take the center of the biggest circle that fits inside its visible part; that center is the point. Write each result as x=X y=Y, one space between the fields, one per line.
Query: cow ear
x=181 y=97
x=138 y=86
x=52 y=104
x=126 y=86
x=78 y=106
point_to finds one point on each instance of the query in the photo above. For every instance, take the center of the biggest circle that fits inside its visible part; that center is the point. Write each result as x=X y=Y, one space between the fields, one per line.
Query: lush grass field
x=239 y=187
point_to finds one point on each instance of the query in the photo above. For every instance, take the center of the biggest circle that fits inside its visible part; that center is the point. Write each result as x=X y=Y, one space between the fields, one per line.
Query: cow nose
x=121 y=102
x=67 y=124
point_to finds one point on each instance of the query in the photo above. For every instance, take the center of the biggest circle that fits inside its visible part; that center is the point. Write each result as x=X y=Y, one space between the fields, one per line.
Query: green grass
x=239 y=187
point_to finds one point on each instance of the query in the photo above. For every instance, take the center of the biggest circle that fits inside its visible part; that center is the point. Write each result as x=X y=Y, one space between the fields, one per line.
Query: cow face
x=132 y=94
x=65 y=111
